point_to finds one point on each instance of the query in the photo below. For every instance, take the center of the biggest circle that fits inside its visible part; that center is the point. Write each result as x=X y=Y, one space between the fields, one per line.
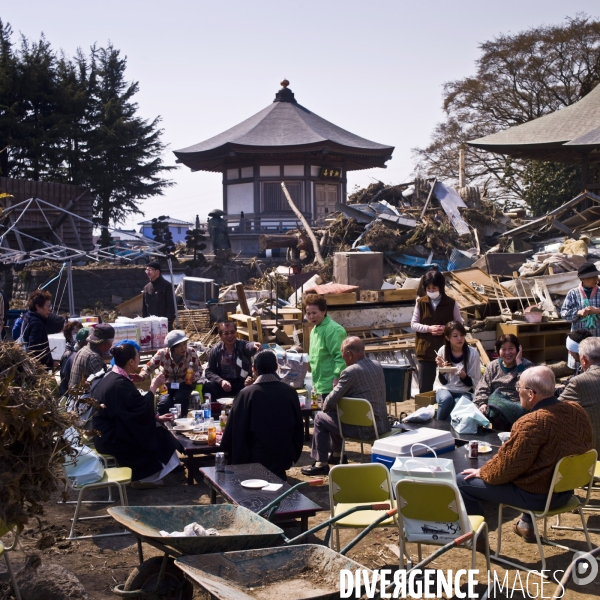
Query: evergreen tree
x=123 y=151
x=8 y=96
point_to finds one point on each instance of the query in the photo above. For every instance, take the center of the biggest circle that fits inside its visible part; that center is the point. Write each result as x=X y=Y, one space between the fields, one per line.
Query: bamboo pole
x=304 y=222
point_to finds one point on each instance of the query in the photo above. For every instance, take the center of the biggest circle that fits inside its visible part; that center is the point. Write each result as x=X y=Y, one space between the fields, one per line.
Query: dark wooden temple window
x=273 y=198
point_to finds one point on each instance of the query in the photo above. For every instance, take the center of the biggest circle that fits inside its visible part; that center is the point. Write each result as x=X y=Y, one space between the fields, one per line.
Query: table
x=228 y=485
x=307 y=413
x=191 y=453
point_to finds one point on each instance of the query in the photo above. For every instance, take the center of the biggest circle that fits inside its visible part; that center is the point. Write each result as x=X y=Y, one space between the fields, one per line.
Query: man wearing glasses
x=158 y=299
x=521 y=473
x=229 y=366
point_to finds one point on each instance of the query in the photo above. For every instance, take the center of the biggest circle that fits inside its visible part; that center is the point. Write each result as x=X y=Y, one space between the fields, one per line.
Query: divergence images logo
x=586 y=569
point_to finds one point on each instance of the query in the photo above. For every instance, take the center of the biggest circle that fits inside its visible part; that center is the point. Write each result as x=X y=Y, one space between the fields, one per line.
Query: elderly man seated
x=585 y=388
x=362 y=378
x=521 y=473
x=265 y=424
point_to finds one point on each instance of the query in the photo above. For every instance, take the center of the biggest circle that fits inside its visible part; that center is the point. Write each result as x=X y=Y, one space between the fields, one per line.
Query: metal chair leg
x=11 y=574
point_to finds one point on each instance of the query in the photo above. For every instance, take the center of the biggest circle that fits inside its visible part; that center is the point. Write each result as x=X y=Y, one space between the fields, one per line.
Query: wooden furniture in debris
x=388 y=295
x=250 y=329
x=541 y=342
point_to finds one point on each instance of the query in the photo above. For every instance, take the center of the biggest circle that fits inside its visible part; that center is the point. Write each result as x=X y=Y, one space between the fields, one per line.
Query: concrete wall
x=105 y=286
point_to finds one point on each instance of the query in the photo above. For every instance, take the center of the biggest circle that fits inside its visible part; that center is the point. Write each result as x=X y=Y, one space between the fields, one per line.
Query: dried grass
x=31 y=428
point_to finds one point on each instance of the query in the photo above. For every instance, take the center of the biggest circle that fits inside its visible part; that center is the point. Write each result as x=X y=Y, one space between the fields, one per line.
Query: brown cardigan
x=538 y=440
x=427 y=343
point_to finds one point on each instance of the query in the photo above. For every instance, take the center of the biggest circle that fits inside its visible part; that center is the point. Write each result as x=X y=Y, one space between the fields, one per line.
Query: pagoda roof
x=562 y=136
x=288 y=128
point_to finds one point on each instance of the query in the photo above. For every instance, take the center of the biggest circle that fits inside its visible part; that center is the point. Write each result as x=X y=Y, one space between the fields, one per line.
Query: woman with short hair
x=38 y=323
x=496 y=395
x=128 y=426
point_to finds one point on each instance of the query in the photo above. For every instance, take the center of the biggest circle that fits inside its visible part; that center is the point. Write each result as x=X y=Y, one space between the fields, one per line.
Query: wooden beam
x=428 y=198
x=239 y=288
x=304 y=222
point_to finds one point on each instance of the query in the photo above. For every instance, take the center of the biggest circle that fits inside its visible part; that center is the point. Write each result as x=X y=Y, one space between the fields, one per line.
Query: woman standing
x=465 y=361
x=127 y=423
x=38 y=323
x=326 y=362
x=432 y=312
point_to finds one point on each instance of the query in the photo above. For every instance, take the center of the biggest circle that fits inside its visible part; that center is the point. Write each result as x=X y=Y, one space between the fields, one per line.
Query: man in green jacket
x=326 y=362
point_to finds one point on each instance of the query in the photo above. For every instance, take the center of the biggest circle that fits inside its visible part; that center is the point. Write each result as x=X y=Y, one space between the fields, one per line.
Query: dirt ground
x=103 y=562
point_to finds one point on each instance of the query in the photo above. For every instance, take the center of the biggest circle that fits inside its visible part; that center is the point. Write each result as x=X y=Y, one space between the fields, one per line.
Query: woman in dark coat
x=129 y=428
x=38 y=323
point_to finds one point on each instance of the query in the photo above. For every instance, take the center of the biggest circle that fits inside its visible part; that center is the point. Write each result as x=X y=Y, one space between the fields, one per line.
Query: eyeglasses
x=520 y=388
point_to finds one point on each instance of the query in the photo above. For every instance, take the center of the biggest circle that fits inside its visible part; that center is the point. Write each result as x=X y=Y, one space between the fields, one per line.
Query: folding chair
x=358 y=412
x=353 y=485
x=571 y=472
x=117 y=476
x=4 y=550
x=586 y=507
x=439 y=501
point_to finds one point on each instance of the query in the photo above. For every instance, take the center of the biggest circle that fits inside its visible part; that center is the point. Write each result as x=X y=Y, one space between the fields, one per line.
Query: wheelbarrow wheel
x=173 y=586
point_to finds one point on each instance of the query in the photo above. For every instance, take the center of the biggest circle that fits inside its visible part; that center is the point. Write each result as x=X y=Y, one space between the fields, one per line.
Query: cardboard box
x=424 y=399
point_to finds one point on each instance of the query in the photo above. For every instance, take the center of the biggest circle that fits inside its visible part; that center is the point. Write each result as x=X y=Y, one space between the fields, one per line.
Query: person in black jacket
x=128 y=426
x=265 y=424
x=38 y=323
x=229 y=364
x=158 y=299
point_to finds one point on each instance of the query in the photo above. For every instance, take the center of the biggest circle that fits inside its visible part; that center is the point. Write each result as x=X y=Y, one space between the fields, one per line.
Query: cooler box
x=386 y=450
x=58 y=345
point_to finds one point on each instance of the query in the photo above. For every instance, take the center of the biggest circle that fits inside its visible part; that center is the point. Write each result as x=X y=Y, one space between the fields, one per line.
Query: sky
x=375 y=68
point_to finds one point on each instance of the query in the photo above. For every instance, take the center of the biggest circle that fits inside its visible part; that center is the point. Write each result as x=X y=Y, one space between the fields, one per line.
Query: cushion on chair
x=361 y=518
x=476 y=521
x=120 y=474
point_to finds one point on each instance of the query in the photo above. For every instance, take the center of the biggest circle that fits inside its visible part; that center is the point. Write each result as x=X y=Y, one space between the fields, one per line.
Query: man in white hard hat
x=174 y=361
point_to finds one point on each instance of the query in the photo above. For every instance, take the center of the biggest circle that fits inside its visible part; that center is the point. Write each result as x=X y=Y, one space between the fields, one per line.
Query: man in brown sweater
x=521 y=473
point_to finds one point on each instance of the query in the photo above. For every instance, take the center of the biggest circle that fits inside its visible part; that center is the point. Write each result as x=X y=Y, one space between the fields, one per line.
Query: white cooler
x=386 y=450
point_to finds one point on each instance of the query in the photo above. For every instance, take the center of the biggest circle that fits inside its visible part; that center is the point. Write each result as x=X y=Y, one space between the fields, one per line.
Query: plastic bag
x=466 y=417
x=85 y=467
x=421 y=415
x=427 y=467
x=293 y=368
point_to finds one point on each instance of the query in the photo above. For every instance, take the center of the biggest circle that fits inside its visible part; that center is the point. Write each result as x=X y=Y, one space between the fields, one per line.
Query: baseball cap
x=102 y=333
x=82 y=334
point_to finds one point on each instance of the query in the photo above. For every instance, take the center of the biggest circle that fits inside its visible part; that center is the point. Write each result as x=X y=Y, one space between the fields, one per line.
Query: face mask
x=433 y=295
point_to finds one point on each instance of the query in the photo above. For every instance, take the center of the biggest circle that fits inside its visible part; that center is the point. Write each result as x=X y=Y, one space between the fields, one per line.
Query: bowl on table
x=185 y=422
x=504 y=435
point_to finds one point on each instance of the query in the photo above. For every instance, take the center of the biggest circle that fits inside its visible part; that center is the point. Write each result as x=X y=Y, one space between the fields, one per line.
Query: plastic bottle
x=206 y=407
x=223 y=419
x=189 y=374
x=212 y=432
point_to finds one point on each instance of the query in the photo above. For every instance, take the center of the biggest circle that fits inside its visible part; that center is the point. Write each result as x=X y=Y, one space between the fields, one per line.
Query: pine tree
x=8 y=96
x=123 y=151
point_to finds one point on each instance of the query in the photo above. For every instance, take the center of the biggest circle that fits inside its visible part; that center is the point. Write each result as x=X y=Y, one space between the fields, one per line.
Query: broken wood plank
x=239 y=288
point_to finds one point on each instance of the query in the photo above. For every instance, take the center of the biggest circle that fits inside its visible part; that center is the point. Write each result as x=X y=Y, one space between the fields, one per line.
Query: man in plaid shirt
x=174 y=361
x=582 y=304
x=88 y=360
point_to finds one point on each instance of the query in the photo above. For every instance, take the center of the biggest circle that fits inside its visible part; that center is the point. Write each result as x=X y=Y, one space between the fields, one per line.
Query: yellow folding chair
x=571 y=472
x=4 y=550
x=438 y=501
x=358 y=412
x=354 y=485
x=116 y=476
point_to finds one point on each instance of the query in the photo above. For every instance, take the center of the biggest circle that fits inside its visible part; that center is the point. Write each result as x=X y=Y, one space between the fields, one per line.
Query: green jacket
x=326 y=362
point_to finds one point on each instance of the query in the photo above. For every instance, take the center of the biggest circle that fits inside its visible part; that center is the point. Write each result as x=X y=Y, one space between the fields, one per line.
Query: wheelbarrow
x=239 y=530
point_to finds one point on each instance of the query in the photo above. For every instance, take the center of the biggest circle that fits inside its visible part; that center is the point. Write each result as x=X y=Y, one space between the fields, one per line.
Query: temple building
x=283 y=142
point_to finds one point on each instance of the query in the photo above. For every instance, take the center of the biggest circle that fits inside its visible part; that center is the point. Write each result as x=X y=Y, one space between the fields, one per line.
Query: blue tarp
x=416 y=261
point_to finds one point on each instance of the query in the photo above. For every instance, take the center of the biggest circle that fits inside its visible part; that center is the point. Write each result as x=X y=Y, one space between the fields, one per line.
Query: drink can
x=178 y=407
x=199 y=416
x=473 y=449
x=206 y=397
x=220 y=462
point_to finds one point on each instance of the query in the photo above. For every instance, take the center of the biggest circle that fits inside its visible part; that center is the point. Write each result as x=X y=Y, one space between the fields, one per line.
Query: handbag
x=466 y=417
x=84 y=406
x=426 y=467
